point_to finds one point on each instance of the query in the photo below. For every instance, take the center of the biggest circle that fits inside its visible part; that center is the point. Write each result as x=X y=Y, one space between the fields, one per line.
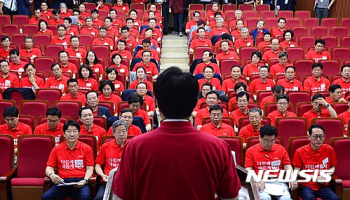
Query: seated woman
x=122 y=69
x=112 y=74
x=107 y=89
x=92 y=61
x=141 y=77
x=85 y=80
x=288 y=36
x=43 y=28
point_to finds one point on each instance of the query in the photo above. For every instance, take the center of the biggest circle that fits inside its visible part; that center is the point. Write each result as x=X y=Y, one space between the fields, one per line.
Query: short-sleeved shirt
x=21 y=129
x=278 y=69
x=44 y=129
x=97 y=22
x=329 y=100
x=72 y=30
x=311 y=114
x=132 y=130
x=55 y=83
x=154 y=54
x=61 y=41
x=263 y=44
x=10 y=81
x=260 y=159
x=277 y=32
x=98 y=68
x=48 y=31
x=248 y=131
x=268 y=99
x=150 y=103
x=251 y=68
x=307 y=158
x=25 y=82
x=314 y=55
x=125 y=54
x=346 y=117
x=198 y=42
x=277 y=114
x=79 y=53
x=271 y=55
x=259 y=85
x=293 y=85
x=122 y=69
x=112 y=31
x=4 y=53
x=203 y=113
x=227 y=55
x=190 y=23
x=109 y=156
x=240 y=42
x=213 y=81
x=55 y=22
x=143 y=114
x=150 y=67
x=17 y=67
x=32 y=53
x=80 y=97
x=90 y=84
x=313 y=85
x=238 y=114
x=134 y=84
x=71 y=163
x=217 y=31
x=96 y=131
x=92 y=31
x=286 y=44
x=103 y=41
x=70 y=67
x=200 y=68
x=229 y=85
x=199 y=102
x=345 y=85
x=221 y=130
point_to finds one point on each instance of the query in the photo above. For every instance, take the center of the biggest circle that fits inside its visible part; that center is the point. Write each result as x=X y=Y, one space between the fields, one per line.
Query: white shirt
x=7 y=4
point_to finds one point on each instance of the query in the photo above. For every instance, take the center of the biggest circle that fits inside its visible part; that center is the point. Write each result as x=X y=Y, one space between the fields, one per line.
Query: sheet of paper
x=67 y=184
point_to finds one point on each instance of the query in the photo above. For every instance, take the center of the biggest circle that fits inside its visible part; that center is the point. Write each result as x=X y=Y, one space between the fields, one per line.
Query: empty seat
x=300 y=31
x=295 y=143
x=6 y=168
x=10 y=28
x=85 y=39
x=303 y=107
x=330 y=67
x=18 y=39
x=339 y=31
x=285 y=14
x=236 y=145
x=52 y=50
x=101 y=51
x=302 y=14
x=227 y=64
x=271 y=22
x=311 y=22
x=69 y=108
x=20 y=20
x=319 y=31
x=244 y=7
x=303 y=67
x=246 y=52
x=286 y=127
x=34 y=108
x=30 y=29
x=292 y=22
x=340 y=53
x=329 y=22
x=42 y=39
x=333 y=127
x=331 y=41
x=345 y=41
x=307 y=41
x=267 y=14
x=295 y=53
x=263 y=7
x=249 y=14
x=345 y=22
x=227 y=7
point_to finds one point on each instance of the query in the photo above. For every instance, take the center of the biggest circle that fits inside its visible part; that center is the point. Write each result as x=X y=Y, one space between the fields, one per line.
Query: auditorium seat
x=286 y=127
x=295 y=53
x=85 y=39
x=339 y=31
x=69 y=108
x=340 y=107
x=10 y=28
x=340 y=53
x=53 y=50
x=5 y=19
x=267 y=14
x=307 y=41
x=345 y=22
x=271 y=22
x=18 y=38
x=30 y=29
x=329 y=22
x=250 y=14
x=101 y=51
x=227 y=64
x=251 y=141
x=303 y=66
x=6 y=103
x=295 y=143
x=331 y=41
x=244 y=7
x=333 y=127
x=299 y=96
x=242 y=122
x=311 y=22
x=263 y=7
x=20 y=20
x=292 y=22
x=34 y=108
x=319 y=31
x=303 y=107
x=42 y=39
x=227 y=7
x=50 y=95
x=345 y=41
x=330 y=66
x=43 y=64
x=236 y=144
x=246 y=52
x=300 y=31
x=6 y=168
x=194 y=7
x=285 y=14
x=302 y=14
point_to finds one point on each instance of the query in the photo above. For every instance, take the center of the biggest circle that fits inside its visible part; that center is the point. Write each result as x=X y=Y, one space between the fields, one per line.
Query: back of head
x=176 y=93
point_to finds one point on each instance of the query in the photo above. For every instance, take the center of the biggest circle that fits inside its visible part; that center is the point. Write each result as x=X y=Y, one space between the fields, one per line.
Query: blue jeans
x=324 y=193
x=62 y=192
x=100 y=192
x=178 y=21
x=165 y=12
x=321 y=13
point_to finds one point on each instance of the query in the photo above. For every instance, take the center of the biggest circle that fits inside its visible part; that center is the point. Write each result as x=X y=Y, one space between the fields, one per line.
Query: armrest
x=47 y=184
x=337 y=185
x=92 y=184
x=9 y=174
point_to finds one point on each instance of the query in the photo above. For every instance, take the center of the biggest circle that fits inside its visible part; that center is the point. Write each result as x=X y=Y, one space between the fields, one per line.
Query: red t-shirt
x=277 y=32
x=309 y=115
x=143 y=114
x=294 y=85
x=217 y=175
x=198 y=42
x=228 y=55
x=44 y=129
x=268 y=99
x=203 y=113
x=199 y=102
x=240 y=42
x=48 y=31
x=346 y=117
x=97 y=22
x=248 y=131
x=190 y=23
x=4 y=53
x=123 y=7
x=329 y=100
x=200 y=68
x=130 y=41
x=16 y=67
x=78 y=53
x=61 y=84
x=109 y=156
x=345 y=85
x=10 y=81
x=35 y=20
x=278 y=69
x=154 y=54
x=217 y=31
x=237 y=114
x=263 y=44
x=134 y=84
x=271 y=55
x=96 y=131
x=33 y=53
x=313 y=85
x=90 y=84
x=104 y=41
x=55 y=22
x=251 y=68
x=98 y=68
x=25 y=83
x=84 y=14
x=277 y=114
x=132 y=131
x=113 y=98
x=258 y=85
x=285 y=44
x=314 y=55
x=222 y=130
x=70 y=67
x=61 y=41
x=234 y=100
x=80 y=97
x=20 y=129
x=125 y=54
x=150 y=68
x=71 y=163
x=153 y=41
x=214 y=82
x=150 y=103
x=122 y=69
x=72 y=31
x=307 y=158
x=92 y=31
x=229 y=85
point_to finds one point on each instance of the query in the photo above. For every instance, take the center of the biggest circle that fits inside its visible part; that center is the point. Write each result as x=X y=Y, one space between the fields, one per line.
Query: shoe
x=180 y=34
x=165 y=33
x=175 y=33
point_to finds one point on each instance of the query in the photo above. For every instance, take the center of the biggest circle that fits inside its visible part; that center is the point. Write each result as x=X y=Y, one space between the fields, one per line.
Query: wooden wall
x=339 y=9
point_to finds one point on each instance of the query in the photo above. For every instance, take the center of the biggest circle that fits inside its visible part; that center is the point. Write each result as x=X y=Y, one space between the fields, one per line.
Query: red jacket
x=177 y=6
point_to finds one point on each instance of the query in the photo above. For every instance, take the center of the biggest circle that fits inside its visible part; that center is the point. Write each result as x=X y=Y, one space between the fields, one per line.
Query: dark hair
x=282 y=96
x=109 y=18
x=212 y=92
x=122 y=41
x=111 y=10
x=240 y=84
x=170 y=89
x=281 y=18
x=128 y=19
x=146 y=41
x=84 y=66
x=10 y=111
x=225 y=36
x=268 y=33
x=111 y=69
x=95 y=11
x=278 y=89
x=124 y=28
x=85 y=108
x=126 y=110
x=56 y=12
x=54 y=112
x=223 y=41
x=210 y=53
x=3 y=38
x=76 y=10
x=288 y=31
x=71 y=123
x=115 y=55
x=146 y=51
x=72 y=80
x=5 y=62
x=216 y=107
x=200 y=22
x=200 y=28
x=210 y=67
x=147 y=29
x=316 y=96
x=61 y=25
x=53 y=65
x=264 y=66
x=14 y=51
x=236 y=66
x=241 y=94
x=86 y=59
x=257 y=53
x=289 y=67
x=268 y=130
x=317 y=65
x=140 y=67
x=140 y=83
x=59 y=53
x=333 y=87
x=74 y=36
x=320 y=41
x=217 y=13
x=68 y=19
x=27 y=65
x=134 y=98
x=316 y=126
x=342 y=67
x=195 y=12
x=150 y=19
x=104 y=83
x=88 y=18
x=40 y=21
x=207 y=84
x=28 y=37
x=103 y=28
x=282 y=54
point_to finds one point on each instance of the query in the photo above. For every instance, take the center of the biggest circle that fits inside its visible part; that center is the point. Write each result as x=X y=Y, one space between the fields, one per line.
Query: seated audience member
x=17 y=65
x=276 y=91
x=282 y=109
x=210 y=14
x=335 y=94
x=115 y=21
x=56 y=20
x=279 y=31
x=312 y=156
x=207 y=56
x=110 y=154
x=72 y=92
x=212 y=98
x=30 y=51
x=125 y=35
x=122 y=69
x=318 y=53
x=128 y=116
x=52 y=126
x=61 y=38
x=216 y=127
x=316 y=83
x=242 y=108
x=226 y=52
x=263 y=83
x=111 y=30
x=149 y=66
x=239 y=87
x=135 y=102
x=112 y=74
x=346 y=117
x=67 y=22
x=92 y=101
x=344 y=80
x=253 y=128
x=43 y=28
x=229 y=84
x=60 y=157
x=65 y=64
x=141 y=77
x=86 y=80
x=238 y=17
x=100 y=6
x=288 y=40
x=219 y=29
x=7 y=79
x=290 y=82
x=200 y=41
x=81 y=20
x=212 y=22
x=75 y=51
x=273 y=53
x=31 y=80
x=57 y=80
x=95 y=20
x=107 y=88
x=208 y=73
x=237 y=30
x=224 y=37
x=153 y=8
x=243 y=41
x=121 y=7
x=141 y=89
x=37 y=17
x=83 y=13
x=206 y=87
x=146 y=44
x=92 y=61
x=121 y=49
x=264 y=156
x=12 y=126
x=5 y=49
x=149 y=35
x=132 y=30
x=193 y=31
x=266 y=42
x=254 y=66
x=63 y=11
x=156 y=31
x=280 y=67
x=193 y=21
x=89 y=29
x=103 y=39
x=259 y=30
x=318 y=102
x=44 y=10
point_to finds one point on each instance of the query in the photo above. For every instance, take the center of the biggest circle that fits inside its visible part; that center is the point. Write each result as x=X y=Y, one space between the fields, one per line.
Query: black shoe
x=165 y=33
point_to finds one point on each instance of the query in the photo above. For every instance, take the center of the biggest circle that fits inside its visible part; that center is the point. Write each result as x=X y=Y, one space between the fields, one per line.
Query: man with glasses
x=282 y=109
x=242 y=111
x=72 y=92
x=206 y=87
x=7 y=79
x=208 y=73
x=266 y=155
x=263 y=83
x=290 y=82
x=52 y=126
x=216 y=127
x=315 y=155
x=92 y=101
x=335 y=94
x=17 y=65
x=193 y=22
x=61 y=38
x=141 y=89
x=128 y=116
x=253 y=128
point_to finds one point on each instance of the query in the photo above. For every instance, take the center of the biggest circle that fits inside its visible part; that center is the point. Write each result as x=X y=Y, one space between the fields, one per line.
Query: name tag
x=117 y=85
x=295 y=88
x=78 y=55
x=268 y=88
x=97 y=70
x=88 y=84
x=276 y=163
x=292 y=45
x=323 y=86
x=78 y=164
x=57 y=139
x=7 y=83
x=61 y=86
x=248 y=44
x=122 y=70
x=93 y=33
x=324 y=57
x=105 y=43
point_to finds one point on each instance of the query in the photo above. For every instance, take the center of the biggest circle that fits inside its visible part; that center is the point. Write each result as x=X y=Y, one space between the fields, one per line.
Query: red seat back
x=236 y=145
x=333 y=127
x=34 y=108
x=50 y=95
x=330 y=67
x=286 y=127
x=298 y=96
x=7 y=153
x=295 y=143
x=69 y=108
x=341 y=147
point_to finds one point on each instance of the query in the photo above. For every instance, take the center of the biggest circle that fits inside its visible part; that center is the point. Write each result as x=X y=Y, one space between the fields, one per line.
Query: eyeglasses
x=52 y=121
x=268 y=141
x=321 y=137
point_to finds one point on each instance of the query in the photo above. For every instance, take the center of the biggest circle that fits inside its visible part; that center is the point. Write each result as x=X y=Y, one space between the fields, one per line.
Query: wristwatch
x=87 y=181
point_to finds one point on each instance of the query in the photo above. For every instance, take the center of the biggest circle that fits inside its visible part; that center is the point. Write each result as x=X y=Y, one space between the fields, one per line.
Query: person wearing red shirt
x=107 y=88
x=103 y=40
x=226 y=52
x=264 y=156
x=52 y=126
x=316 y=83
x=243 y=41
x=37 y=17
x=7 y=79
x=149 y=35
x=193 y=21
x=335 y=94
x=92 y=62
x=55 y=19
x=288 y=36
x=67 y=22
x=253 y=128
x=317 y=111
x=236 y=28
x=149 y=66
x=127 y=115
x=5 y=50
x=81 y=20
x=44 y=10
x=282 y=109
x=135 y=101
x=89 y=29
x=315 y=155
x=75 y=51
x=207 y=56
x=224 y=37
x=344 y=80
x=210 y=14
x=43 y=28
x=201 y=41
x=141 y=77
x=85 y=80
x=318 y=53
x=121 y=50
x=63 y=11
x=31 y=80
x=146 y=44
x=208 y=73
x=276 y=91
x=74 y=162
x=216 y=127
x=136 y=20
x=262 y=83
x=120 y=68
x=206 y=87
x=193 y=32
x=61 y=38
x=132 y=29
x=66 y=66
x=238 y=17
x=254 y=66
x=72 y=92
x=30 y=51
x=125 y=35
x=156 y=31
x=17 y=65
x=92 y=101
x=86 y=116
x=120 y=6
x=279 y=31
x=95 y=20
x=12 y=126
x=219 y=29
x=82 y=10
x=115 y=21
x=259 y=30
x=239 y=87
x=280 y=67
x=242 y=110
x=110 y=154
x=57 y=80
x=152 y=8
x=273 y=53
x=290 y=83
x=266 y=42
x=141 y=89
x=229 y=84
x=100 y=6
x=346 y=117
x=111 y=30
